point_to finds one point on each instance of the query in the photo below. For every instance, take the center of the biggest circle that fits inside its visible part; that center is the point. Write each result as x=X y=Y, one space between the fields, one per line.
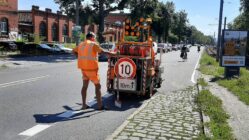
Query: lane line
x=193 y=75
x=67 y=114
x=22 y=81
x=34 y=130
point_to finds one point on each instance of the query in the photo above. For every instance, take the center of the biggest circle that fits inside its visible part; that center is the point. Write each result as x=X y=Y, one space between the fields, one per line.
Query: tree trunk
x=101 y=21
x=159 y=38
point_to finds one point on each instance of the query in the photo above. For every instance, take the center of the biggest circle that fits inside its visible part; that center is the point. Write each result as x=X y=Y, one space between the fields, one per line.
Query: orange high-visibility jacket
x=87 y=55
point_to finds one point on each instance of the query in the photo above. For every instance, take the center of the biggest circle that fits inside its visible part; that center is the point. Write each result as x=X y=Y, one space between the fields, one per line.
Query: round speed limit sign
x=126 y=68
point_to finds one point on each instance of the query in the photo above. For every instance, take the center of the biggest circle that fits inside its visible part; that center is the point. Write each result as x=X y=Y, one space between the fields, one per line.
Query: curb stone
x=205 y=118
x=173 y=114
x=124 y=124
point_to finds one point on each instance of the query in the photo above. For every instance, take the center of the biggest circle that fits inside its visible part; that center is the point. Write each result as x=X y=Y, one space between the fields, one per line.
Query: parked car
x=174 y=47
x=162 y=46
x=8 y=46
x=60 y=47
x=108 y=47
x=52 y=50
x=33 y=48
x=19 y=45
x=169 y=47
x=178 y=46
x=154 y=45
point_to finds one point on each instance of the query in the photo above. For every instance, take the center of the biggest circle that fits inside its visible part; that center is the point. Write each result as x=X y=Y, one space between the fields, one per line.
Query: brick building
x=113 y=27
x=46 y=24
x=8 y=20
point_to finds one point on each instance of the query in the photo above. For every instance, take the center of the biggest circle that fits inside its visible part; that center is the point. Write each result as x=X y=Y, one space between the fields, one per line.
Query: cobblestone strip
x=172 y=116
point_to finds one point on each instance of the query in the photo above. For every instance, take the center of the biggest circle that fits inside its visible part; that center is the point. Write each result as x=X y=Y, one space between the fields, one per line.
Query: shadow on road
x=128 y=102
x=48 y=58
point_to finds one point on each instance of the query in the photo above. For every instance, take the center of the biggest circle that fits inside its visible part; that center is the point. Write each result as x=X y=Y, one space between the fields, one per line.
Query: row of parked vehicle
x=33 y=48
x=167 y=47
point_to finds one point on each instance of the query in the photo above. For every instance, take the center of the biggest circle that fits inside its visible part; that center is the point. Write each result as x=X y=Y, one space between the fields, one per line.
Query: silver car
x=162 y=46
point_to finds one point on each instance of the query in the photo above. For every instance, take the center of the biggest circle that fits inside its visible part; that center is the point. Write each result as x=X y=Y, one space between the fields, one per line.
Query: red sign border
x=131 y=62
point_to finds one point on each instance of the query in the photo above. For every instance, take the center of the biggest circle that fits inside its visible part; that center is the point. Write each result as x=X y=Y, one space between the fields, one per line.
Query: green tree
x=241 y=21
x=95 y=12
x=103 y=8
x=143 y=8
x=180 y=25
x=168 y=13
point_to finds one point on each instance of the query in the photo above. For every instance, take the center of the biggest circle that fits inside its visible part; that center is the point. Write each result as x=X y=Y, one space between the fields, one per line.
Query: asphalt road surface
x=42 y=102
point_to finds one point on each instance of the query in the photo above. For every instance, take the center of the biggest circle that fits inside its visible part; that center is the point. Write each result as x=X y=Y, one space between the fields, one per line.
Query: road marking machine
x=134 y=69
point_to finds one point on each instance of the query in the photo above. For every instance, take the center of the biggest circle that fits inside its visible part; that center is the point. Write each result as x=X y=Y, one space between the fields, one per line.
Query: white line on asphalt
x=34 y=130
x=22 y=81
x=105 y=96
x=69 y=114
x=193 y=75
x=40 y=127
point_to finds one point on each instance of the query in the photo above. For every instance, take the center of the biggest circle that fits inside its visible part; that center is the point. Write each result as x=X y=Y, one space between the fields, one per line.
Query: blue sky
x=201 y=13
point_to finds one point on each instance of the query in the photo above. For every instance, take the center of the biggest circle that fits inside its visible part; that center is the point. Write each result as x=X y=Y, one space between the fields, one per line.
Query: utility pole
x=219 y=30
x=77 y=13
x=225 y=23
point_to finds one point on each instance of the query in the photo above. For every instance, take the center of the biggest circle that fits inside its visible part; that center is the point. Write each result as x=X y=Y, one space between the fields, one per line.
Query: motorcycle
x=198 y=49
x=184 y=55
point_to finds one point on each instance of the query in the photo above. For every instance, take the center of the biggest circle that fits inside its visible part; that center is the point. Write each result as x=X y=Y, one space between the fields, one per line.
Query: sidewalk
x=237 y=110
x=165 y=116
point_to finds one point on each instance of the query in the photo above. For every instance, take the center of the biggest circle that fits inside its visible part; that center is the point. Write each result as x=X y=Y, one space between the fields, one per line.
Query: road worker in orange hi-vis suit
x=87 y=53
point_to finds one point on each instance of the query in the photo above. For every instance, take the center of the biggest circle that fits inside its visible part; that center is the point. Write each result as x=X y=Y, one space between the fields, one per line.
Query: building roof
x=113 y=18
x=25 y=16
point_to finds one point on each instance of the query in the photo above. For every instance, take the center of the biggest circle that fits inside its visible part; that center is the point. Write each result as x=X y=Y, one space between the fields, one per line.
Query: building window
x=43 y=30
x=4 y=26
x=65 y=30
x=54 y=32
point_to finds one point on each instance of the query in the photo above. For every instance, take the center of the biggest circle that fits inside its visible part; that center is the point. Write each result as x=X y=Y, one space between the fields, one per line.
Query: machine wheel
x=150 y=90
x=158 y=85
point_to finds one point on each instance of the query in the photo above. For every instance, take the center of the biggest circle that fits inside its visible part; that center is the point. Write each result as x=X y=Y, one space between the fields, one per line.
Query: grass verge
x=212 y=106
x=239 y=86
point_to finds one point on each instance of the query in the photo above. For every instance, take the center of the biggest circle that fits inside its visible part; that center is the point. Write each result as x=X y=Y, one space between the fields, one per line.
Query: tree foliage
x=168 y=25
x=241 y=22
x=94 y=12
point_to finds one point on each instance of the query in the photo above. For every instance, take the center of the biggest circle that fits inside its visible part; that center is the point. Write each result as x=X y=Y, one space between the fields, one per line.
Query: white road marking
x=40 y=127
x=34 y=130
x=22 y=81
x=69 y=114
x=105 y=96
x=193 y=75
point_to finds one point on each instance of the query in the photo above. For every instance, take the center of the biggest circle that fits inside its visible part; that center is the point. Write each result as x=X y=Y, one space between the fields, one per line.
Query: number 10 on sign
x=126 y=68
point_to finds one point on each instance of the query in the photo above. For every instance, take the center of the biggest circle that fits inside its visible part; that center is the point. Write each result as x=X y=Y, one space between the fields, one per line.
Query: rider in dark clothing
x=198 y=48
x=184 y=52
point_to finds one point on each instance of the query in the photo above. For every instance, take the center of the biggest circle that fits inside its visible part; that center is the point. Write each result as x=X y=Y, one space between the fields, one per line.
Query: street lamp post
x=219 y=31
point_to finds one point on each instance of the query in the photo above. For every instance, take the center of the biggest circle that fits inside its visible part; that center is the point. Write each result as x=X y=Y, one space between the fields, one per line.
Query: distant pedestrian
x=87 y=53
